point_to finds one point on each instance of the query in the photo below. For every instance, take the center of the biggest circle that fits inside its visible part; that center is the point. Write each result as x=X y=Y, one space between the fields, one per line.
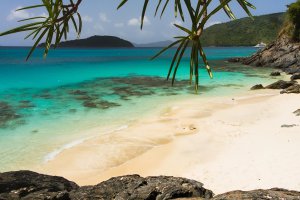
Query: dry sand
x=226 y=143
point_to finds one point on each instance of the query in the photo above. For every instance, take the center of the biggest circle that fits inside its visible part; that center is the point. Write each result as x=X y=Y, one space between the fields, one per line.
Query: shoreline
x=190 y=136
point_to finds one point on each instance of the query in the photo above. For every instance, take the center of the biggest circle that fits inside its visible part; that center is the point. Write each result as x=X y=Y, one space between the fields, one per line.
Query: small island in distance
x=263 y=29
x=96 y=42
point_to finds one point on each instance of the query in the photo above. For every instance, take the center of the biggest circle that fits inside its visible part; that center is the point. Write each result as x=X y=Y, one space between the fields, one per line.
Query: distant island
x=245 y=31
x=96 y=42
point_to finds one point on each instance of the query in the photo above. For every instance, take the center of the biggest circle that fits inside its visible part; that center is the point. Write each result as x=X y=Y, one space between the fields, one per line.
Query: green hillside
x=245 y=31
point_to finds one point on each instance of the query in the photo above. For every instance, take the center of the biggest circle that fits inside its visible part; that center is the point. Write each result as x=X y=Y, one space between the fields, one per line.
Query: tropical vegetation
x=263 y=28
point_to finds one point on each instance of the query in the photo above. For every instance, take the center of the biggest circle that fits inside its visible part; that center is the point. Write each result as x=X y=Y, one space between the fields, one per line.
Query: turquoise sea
x=47 y=105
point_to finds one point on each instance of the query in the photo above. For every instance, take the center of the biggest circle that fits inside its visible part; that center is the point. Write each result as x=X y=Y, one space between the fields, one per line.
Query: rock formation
x=281 y=54
x=27 y=185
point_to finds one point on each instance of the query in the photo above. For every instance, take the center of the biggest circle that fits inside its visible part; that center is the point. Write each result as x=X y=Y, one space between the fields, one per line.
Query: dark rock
x=89 y=104
x=107 y=104
x=7 y=114
x=135 y=187
x=296 y=76
x=31 y=185
x=280 y=84
x=297 y=112
x=292 y=89
x=274 y=194
x=78 y=92
x=282 y=53
x=288 y=125
x=236 y=60
x=257 y=87
x=275 y=74
x=84 y=97
x=26 y=104
x=100 y=104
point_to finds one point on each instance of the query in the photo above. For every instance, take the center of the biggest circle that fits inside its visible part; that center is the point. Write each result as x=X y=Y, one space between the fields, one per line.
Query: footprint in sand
x=186 y=130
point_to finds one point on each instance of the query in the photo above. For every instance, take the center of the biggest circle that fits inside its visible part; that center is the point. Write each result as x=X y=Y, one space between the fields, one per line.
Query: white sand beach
x=227 y=143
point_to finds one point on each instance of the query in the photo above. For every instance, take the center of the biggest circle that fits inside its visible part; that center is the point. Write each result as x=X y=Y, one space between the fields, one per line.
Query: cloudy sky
x=102 y=18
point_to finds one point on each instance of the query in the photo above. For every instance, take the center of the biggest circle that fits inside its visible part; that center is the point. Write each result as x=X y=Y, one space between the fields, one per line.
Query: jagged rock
x=135 y=187
x=280 y=84
x=282 y=53
x=31 y=185
x=292 y=89
x=257 y=87
x=274 y=194
x=296 y=76
x=275 y=74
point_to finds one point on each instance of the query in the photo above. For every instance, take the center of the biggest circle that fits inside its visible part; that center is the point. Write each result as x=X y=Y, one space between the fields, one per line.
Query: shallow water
x=47 y=105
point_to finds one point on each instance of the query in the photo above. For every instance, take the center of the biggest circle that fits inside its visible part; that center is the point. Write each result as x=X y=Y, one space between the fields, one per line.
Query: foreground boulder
x=30 y=185
x=292 y=89
x=257 y=87
x=26 y=185
x=280 y=84
x=274 y=194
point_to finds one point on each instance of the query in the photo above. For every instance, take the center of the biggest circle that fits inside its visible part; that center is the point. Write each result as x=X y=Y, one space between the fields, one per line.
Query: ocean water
x=48 y=105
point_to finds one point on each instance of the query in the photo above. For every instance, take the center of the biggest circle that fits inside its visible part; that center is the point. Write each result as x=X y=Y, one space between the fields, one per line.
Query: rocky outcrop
x=31 y=185
x=292 y=89
x=275 y=73
x=286 y=87
x=295 y=77
x=282 y=54
x=274 y=194
x=27 y=185
x=280 y=84
x=257 y=87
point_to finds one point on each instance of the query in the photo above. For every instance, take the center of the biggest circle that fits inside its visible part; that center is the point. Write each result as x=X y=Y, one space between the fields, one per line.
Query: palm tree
x=61 y=15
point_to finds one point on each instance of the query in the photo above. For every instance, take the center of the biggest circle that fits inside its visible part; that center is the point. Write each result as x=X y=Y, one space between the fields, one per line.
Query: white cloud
x=103 y=17
x=137 y=22
x=87 y=19
x=178 y=22
x=119 y=25
x=21 y=14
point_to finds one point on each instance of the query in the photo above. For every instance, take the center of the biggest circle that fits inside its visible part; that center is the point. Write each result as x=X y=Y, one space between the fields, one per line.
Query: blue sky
x=102 y=18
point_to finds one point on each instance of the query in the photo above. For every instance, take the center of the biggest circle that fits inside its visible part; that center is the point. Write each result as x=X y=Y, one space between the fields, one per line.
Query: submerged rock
x=100 y=104
x=257 y=87
x=236 y=60
x=280 y=84
x=78 y=92
x=7 y=114
x=275 y=74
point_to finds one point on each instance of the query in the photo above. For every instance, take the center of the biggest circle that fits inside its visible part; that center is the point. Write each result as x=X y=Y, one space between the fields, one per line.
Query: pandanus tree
x=61 y=15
